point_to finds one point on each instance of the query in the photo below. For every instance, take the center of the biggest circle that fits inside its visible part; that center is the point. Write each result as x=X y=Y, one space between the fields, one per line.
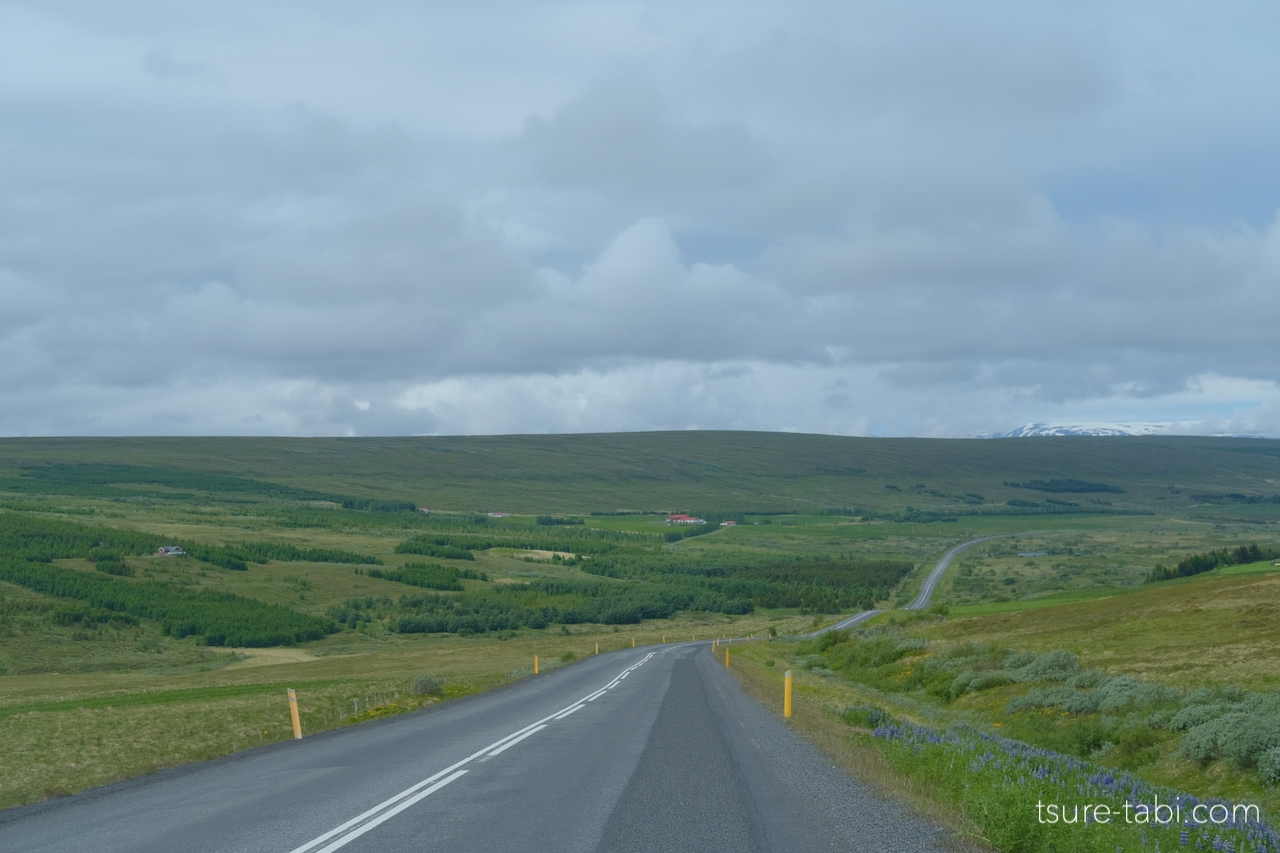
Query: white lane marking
x=379 y=807
x=515 y=741
x=390 y=813
x=492 y=749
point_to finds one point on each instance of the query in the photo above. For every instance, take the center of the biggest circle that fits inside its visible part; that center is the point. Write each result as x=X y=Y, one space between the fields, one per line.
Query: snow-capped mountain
x=1043 y=429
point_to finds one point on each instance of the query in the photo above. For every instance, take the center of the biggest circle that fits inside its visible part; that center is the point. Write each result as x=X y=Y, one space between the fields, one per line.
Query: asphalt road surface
x=652 y=749
x=920 y=602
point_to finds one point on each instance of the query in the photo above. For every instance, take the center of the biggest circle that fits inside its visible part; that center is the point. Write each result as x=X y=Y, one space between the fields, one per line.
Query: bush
x=1088 y=679
x=115 y=567
x=987 y=680
x=1057 y=665
x=1040 y=697
x=1269 y=765
x=427 y=576
x=867 y=716
x=425 y=685
x=1245 y=738
x=1196 y=715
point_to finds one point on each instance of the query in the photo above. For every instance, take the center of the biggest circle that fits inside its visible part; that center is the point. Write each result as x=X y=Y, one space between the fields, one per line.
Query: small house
x=169 y=551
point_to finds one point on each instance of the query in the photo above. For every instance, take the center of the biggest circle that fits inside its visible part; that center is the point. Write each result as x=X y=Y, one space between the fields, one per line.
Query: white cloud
x=923 y=219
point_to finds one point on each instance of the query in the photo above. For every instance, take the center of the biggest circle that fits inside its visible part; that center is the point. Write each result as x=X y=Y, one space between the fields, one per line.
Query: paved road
x=920 y=602
x=644 y=750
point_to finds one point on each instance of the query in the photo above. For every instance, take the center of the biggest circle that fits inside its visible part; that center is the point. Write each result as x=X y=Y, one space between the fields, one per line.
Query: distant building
x=424 y=509
x=684 y=519
x=169 y=551
x=499 y=514
x=729 y=523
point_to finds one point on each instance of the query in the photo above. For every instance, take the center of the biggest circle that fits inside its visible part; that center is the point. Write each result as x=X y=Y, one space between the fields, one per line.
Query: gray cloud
x=160 y=65
x=309 y=218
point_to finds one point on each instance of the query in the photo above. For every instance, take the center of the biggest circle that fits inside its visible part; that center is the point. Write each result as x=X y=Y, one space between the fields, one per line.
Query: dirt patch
x=268 y=657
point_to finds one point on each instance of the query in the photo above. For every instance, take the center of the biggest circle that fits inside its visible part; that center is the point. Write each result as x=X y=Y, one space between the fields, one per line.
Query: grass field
x=825 y=526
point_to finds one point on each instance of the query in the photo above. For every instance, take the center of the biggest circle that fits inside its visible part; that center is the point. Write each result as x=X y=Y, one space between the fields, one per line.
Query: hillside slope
x=673 y=470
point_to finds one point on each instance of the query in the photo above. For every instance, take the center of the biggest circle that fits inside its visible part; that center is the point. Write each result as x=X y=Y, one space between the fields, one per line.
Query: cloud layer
x=924 y=220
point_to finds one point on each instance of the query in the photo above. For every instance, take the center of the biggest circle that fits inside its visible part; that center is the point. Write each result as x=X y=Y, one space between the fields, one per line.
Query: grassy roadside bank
x=816 y=716
x=985 y=787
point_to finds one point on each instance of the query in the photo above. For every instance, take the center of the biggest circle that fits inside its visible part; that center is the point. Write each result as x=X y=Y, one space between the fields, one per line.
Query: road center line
x=394 y=805
x=515 y=741
x=390 y=813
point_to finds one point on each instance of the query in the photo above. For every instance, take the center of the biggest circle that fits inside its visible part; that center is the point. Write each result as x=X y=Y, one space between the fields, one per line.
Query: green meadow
x=311 y=564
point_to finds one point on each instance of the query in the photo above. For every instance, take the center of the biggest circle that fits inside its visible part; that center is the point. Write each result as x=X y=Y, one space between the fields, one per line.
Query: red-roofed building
x=684 y=519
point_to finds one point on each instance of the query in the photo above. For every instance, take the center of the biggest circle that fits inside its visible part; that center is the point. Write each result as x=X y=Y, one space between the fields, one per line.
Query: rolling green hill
x=704 y=470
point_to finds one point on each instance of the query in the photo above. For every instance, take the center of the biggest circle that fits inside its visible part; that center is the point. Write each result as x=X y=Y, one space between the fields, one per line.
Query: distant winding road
x=649 y=751
x=921 y=601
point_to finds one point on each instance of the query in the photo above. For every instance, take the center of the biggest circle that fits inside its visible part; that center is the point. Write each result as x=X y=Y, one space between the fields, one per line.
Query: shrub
x=1269 y=765
x=1040 y=697
x=428 y=576
x=425 y=685
x=960 y=683
x=1245 y=738
x=1088 y=679
x=867 y=716
x=1196 y=715
x=987 y=680
x=115 y=566
x=1084 y=702
x=1057 y=665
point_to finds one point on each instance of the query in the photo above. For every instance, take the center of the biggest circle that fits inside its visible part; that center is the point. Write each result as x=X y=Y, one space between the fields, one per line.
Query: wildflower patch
x=1028 y=798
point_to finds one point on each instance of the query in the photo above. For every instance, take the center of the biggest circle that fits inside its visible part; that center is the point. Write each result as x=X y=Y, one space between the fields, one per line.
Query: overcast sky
x=910 y=218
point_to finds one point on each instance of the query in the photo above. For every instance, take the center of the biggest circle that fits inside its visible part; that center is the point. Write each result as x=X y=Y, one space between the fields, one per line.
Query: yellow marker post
x=535 y=664
x=633 y=642
x=786 y=695
x=597 y=648
x=293 y=712
x=726 y=658
x=664 y=638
